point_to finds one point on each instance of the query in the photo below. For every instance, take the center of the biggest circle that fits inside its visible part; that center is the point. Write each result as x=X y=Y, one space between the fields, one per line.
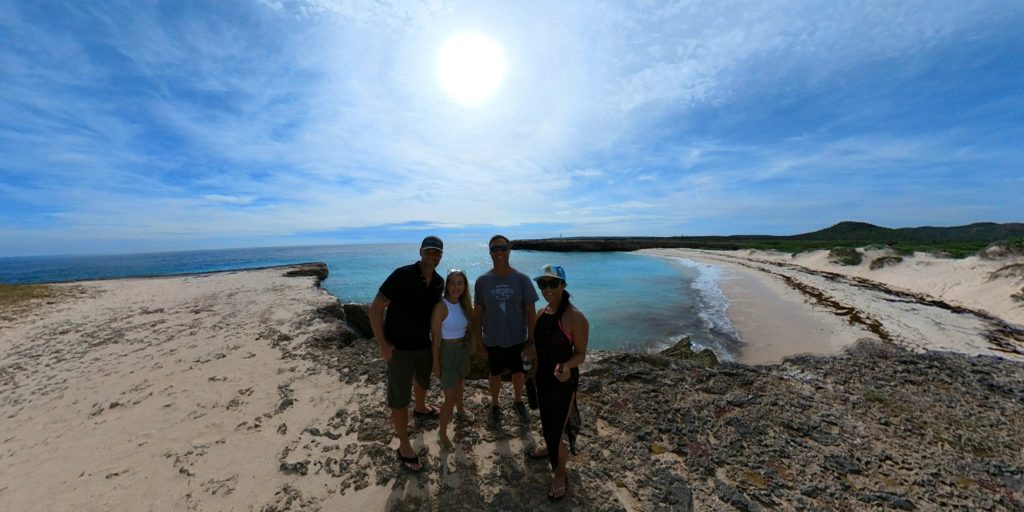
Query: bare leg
x=420 y=395
x=460 y=402
x=560 y=482
x=446 y=415
x=460 y=392
x=494 y=383
x=400 y=419
x=518 y=379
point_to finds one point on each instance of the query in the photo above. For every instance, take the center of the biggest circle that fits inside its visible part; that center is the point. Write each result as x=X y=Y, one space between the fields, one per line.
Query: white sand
x=170 y=393
x=838 y=304
x=117 y=400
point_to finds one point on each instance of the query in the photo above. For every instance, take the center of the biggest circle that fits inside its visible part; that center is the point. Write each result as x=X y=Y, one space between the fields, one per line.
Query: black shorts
x=502 y=358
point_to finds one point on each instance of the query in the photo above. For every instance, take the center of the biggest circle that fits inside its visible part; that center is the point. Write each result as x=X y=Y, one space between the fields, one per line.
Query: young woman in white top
x=449 y=324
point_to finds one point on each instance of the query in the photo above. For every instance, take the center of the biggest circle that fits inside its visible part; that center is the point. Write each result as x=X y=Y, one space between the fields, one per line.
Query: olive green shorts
x=454 y=362
x=404 y=366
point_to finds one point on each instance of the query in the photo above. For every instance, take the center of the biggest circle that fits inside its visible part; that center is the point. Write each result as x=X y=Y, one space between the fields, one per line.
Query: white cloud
x=323 y=115
x=587 y=173
x=232 y=200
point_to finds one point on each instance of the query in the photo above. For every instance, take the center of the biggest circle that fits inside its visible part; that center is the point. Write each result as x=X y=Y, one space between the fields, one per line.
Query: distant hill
x=849 y=231
x=956 y=241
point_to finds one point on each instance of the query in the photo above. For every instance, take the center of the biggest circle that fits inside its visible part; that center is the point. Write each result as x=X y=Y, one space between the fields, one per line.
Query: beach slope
x=784 y=304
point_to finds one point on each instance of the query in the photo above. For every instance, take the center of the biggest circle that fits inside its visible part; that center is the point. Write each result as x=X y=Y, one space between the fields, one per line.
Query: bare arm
x=531 y=329
x=377 y=307
x=436 y=317
x=579 y=328
x=478 y=328
x=531 y=320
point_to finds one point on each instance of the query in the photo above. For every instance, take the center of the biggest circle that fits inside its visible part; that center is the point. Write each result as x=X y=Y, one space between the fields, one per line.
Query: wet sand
x=784 y=306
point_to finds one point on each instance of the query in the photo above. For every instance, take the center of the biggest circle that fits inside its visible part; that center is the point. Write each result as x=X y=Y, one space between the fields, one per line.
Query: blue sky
x=144 y=126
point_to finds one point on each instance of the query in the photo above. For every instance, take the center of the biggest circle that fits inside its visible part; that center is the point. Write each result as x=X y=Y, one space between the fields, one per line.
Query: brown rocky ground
x=877 y=427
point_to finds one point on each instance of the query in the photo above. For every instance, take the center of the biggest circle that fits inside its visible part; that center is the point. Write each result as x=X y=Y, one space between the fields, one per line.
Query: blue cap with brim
x=551 y=270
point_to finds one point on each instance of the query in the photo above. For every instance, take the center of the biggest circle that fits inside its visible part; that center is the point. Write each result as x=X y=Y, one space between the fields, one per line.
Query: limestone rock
x=317 y=270
x=358 y=318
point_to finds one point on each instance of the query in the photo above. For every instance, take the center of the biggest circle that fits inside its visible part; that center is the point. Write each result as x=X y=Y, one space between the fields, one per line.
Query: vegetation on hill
x=954 y=242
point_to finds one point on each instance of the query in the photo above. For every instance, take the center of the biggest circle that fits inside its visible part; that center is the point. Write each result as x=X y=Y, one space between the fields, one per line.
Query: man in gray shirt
x=506 y=313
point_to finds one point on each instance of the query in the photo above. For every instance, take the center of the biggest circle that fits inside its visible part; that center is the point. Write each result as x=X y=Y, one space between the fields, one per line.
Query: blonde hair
x=465 y=300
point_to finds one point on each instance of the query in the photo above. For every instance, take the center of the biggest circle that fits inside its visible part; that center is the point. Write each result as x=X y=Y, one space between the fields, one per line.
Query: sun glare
x=470 y=67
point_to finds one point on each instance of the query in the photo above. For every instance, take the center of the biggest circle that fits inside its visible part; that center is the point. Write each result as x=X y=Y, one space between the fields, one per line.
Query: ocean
x=634 y=302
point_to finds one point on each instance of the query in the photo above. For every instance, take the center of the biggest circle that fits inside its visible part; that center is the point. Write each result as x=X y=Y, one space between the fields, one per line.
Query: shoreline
x=772 y=319
x=784 y=306
x=249 y=390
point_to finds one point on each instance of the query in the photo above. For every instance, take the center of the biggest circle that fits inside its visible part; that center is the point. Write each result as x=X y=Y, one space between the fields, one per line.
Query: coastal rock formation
x=876 y=427
x=358 y=317
x=317 y=270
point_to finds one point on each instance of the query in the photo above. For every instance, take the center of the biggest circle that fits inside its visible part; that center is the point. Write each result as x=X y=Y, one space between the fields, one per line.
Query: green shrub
x=845 y=256
x=1003 y=249
x=885 y=261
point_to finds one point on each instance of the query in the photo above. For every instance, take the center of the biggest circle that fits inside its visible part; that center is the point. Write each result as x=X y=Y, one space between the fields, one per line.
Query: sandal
x=534 y=452
x=405 y=461
x=431 y=413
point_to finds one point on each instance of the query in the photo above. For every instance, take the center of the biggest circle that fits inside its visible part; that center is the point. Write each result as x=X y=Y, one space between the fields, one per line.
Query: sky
x=143 y=126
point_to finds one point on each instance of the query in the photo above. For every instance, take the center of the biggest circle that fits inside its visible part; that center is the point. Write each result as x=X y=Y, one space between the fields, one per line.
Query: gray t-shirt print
x=504 y=299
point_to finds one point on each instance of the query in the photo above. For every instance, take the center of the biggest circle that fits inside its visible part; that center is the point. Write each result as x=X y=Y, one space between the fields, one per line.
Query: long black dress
x=553 y=396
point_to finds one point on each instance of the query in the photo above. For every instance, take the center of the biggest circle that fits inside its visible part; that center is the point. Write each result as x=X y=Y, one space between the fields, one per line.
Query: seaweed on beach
x=14 y=294
x=16 y=299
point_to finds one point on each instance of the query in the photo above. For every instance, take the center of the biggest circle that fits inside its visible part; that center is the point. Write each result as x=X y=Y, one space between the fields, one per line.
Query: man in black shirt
x=409 y=295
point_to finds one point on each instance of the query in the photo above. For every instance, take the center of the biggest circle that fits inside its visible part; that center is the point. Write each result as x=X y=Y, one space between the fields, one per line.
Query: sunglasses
x=456 y=271
x=548 y=283
x=499 y=248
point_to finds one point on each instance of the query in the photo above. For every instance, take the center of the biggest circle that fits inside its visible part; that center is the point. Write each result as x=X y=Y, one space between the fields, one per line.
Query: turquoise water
x=634 y=302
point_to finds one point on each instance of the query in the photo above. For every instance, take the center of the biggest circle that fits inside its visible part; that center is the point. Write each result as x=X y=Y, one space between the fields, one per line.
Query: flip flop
x=432 y=413
x=532 y=453
x=405 y=461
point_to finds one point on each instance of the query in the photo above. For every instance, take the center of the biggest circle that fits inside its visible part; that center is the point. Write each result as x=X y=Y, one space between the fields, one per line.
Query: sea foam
x=714 y=306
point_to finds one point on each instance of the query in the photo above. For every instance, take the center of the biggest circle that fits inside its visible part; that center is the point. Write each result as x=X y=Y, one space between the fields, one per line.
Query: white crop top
x=454 y=325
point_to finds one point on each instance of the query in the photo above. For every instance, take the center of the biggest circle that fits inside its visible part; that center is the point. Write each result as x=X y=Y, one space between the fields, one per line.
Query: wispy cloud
x=275 y=119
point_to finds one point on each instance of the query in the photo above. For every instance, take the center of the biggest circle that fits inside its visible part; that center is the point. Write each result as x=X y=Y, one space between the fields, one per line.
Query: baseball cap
x=432 y=242
x=551 y=270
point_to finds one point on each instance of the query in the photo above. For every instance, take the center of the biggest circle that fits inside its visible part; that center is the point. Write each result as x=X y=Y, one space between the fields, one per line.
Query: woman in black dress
x=561 y=334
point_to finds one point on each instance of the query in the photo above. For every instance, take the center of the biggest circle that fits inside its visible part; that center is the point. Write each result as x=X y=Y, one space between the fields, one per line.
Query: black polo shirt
x=407 y=320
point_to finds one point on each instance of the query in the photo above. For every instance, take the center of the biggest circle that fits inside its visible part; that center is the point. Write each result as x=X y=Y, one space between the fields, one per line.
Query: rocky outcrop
x=317 y=270
x=684 y=350
x=876 y=427
x=358 y=317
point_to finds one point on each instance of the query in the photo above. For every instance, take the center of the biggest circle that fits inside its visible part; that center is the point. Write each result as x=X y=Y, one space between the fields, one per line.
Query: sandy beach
x=784 y=305
x=244 y=391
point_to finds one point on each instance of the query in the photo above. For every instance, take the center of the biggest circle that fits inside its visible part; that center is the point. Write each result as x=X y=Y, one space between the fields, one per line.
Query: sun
x=471 y=67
